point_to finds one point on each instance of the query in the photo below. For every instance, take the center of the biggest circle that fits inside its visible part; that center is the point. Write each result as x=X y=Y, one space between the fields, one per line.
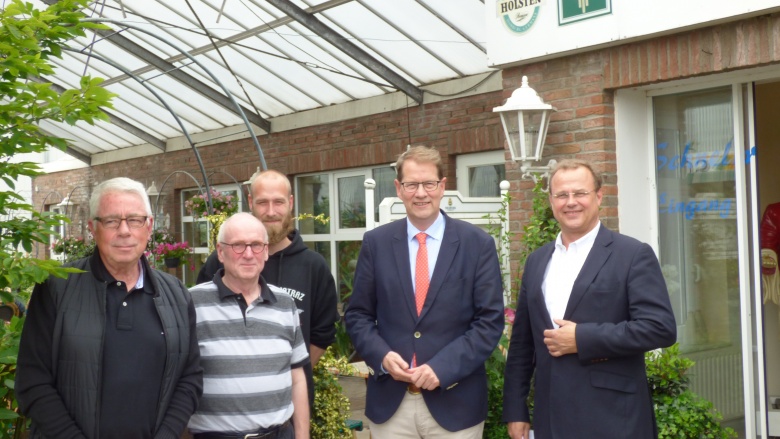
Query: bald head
x=240 y=221
x=270 y=176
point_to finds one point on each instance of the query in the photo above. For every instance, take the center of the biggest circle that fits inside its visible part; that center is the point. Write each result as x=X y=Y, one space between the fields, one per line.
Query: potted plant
x=75 y=247
x=159 y=236
x=222 y=202
x=172 y=253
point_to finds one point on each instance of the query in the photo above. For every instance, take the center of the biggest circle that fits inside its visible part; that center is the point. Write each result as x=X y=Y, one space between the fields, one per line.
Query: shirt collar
x=266 y=295
x=585 y=241
x=101 y=273
x=435 y=231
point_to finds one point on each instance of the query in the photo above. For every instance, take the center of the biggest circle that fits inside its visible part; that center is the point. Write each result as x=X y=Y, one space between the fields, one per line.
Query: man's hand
x=424 y=377
x=397 y=367
x=561 y=341
x=518 y=430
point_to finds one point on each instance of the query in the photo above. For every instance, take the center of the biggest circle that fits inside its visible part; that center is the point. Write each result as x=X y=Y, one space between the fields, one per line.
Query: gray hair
x=237 y=216
x=118 y=184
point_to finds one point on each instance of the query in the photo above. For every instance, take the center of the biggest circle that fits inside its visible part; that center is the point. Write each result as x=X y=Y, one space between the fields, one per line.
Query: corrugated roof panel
x=283 y=66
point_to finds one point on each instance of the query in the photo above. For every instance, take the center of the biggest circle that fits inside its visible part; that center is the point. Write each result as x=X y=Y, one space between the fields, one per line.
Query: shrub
x=679 y=412
x=331 y=406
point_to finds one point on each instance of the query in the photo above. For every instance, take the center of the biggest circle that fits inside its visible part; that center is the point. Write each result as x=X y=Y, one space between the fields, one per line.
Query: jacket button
x=417 y=334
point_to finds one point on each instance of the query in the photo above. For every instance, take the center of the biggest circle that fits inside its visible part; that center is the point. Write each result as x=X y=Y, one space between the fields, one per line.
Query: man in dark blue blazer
x=427 y=359
x=591 y=304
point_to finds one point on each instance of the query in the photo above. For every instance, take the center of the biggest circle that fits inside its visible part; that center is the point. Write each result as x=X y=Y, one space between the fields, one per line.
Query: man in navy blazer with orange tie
x=426 y=333
x=591 y=304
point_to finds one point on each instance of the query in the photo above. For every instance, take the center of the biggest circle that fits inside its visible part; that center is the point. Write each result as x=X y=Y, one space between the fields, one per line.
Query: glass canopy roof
x=274 y=57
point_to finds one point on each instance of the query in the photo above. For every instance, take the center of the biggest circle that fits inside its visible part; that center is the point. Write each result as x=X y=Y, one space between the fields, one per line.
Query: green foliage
x=542 y=227
x=29 y=38
x=331 y=406
x=503 y=238
x=495 y=428
x=679 y=412
x=11 y=424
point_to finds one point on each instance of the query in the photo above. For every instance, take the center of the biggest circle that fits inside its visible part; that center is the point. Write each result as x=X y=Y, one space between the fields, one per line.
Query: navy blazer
x=458 y=328
x=621 y=307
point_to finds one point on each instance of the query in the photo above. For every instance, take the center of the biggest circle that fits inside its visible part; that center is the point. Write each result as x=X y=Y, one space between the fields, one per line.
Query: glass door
x=699 y=253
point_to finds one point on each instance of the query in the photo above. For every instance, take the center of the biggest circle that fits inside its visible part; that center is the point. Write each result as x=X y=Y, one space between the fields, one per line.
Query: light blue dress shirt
x=433 y=242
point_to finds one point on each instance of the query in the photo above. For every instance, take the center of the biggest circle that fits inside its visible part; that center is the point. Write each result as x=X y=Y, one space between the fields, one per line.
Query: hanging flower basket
x=222 y=202
x=172 y=262
x=73 y=248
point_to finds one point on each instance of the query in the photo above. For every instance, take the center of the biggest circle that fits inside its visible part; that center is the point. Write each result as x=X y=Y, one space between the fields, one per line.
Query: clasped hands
x=561 y=341
x=421 y=376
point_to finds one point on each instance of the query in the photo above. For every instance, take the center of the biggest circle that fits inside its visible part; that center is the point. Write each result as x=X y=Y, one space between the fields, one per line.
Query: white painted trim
x=637 y=190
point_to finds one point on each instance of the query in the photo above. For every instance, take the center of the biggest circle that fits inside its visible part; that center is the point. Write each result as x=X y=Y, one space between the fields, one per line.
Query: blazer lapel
x=449 y=247
x=598 y=255
x=401 y=255
x=536 y=294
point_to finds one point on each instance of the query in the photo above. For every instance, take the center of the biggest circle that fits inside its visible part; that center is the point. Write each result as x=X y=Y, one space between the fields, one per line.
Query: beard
x=278 y=232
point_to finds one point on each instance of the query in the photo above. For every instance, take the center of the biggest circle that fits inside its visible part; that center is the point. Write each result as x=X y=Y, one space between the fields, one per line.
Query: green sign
x=570 y=11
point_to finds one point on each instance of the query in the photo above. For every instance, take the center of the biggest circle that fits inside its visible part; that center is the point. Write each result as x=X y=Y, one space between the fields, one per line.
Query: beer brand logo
x=570 y=11
x=518 y=15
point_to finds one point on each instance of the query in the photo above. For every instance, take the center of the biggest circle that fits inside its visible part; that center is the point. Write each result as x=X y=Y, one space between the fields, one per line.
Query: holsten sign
x=528 y=30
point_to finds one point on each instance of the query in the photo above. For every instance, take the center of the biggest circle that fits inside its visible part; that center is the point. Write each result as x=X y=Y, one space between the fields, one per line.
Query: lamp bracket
x=537 y=173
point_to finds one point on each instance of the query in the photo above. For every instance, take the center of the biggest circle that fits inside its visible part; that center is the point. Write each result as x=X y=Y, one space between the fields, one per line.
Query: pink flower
x=509 y=315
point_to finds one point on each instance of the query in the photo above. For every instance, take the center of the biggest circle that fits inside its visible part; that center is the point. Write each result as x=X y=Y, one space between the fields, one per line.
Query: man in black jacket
x=291 y=265
x=111 y=352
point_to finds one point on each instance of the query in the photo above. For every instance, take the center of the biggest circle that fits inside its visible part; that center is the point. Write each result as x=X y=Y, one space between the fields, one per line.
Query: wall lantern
x=153 y=193
x=155 y=198
x=64 y=204
x=525 y=117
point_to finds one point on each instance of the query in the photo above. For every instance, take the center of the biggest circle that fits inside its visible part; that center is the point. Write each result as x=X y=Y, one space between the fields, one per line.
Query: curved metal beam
x=165 y=104
x=116 y=120
x=173 y=71
x=229 y=95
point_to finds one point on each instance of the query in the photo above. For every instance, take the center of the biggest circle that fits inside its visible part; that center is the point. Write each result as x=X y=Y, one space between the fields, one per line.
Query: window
x=343 y=233
x=479 y=174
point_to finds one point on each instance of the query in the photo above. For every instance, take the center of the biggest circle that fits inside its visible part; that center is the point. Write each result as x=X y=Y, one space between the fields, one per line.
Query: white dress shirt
x=562 y=270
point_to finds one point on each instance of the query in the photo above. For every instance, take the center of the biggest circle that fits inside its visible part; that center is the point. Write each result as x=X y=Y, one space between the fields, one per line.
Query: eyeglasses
x=565 y=195
x=133 y=222
x=427 y=185
x=239 y=247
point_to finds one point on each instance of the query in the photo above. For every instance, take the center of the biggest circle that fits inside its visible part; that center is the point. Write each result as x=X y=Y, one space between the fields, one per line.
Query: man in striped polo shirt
x=251 y=346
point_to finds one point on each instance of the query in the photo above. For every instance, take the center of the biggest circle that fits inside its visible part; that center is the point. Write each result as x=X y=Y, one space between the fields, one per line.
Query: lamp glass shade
x=525 y=117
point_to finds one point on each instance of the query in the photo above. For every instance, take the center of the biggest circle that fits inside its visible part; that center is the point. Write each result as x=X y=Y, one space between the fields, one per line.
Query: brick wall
x=582 y=87
x=455 y=126
x=751 y=42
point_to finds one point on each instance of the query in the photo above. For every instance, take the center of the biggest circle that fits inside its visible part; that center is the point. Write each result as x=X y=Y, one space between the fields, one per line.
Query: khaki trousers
x=413 y=420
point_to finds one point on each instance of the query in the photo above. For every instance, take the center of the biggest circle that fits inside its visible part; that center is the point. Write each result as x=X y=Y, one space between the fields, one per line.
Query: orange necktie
x=421 y=281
